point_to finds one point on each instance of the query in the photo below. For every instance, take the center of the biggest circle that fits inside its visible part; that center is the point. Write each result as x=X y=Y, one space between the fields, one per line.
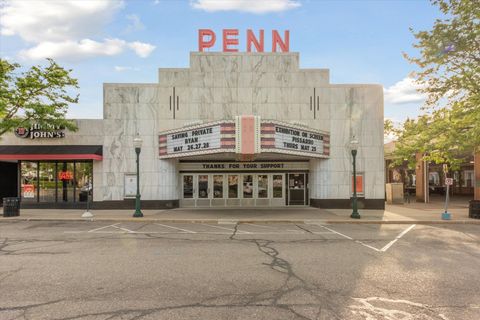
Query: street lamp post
x=354 y=147
x=137 y=143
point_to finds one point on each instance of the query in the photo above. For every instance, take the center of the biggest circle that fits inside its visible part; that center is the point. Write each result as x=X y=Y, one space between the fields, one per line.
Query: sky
x=120 y=41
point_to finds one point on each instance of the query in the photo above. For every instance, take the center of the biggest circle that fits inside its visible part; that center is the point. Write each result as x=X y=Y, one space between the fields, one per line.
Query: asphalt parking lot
x=135 y=270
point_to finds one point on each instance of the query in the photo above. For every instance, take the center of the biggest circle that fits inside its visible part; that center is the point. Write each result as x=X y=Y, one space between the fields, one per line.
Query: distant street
x=107 y=270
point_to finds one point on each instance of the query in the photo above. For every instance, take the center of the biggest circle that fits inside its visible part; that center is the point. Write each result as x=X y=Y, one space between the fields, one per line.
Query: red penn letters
x=207 y=39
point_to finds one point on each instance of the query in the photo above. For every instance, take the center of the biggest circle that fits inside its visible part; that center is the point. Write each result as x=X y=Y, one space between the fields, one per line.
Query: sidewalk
x=418 y=213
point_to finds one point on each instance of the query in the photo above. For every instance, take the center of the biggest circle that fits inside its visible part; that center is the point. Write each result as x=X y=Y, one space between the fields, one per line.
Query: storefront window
x=247 y=186
x=263 y=186
x=47 y=182
x=29 y=181
x=66 y=181
x=83 y=180
x=233 y=186
x=277 y=186
x=218 y=186
x=56 y=181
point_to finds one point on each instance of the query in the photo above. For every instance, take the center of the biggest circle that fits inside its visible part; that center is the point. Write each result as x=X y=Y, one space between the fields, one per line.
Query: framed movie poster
x=130 y=185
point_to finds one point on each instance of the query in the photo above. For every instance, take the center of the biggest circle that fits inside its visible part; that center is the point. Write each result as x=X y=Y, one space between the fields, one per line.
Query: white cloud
x=252 y=6
x=54 y=20
x=135 y=23
x=86 y=48
x=66 y=28
x=141 y=49
x=404 y=91
x=124 y=68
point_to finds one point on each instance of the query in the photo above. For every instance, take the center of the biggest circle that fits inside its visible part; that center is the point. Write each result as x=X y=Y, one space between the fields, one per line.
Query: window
x=47 y=181
x=262 y=186
x=434 y=179
x=203 y=186
x=468 y=178
x=278 y=186
x=29 y=181
x=187 y=187
x=233 y=186
x=66 y=181
x=56 y=181
x=248 y=186
x=83 y=180
x=218 y=186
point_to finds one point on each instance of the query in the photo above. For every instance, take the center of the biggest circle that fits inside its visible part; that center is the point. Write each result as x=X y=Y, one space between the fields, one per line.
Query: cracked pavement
x=99 y=270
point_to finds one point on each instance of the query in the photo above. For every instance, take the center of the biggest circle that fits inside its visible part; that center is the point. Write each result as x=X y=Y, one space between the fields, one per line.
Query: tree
x=36 y=96
x=449 y=74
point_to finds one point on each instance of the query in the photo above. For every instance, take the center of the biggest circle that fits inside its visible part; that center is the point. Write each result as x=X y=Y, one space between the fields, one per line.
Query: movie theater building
x=231 y=130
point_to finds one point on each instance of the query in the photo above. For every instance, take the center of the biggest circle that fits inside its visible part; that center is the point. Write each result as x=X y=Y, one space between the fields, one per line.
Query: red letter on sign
x=230 y=41
x=251 y=39
x=205 y=44
x=284 y=45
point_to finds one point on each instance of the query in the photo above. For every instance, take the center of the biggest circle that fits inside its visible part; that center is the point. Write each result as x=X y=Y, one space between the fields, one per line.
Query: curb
x=235 y=221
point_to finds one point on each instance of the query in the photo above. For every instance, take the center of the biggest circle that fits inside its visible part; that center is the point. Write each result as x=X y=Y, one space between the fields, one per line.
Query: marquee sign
x=206 y=138
x=200 y=139
x=245 y=137
x=298 y=140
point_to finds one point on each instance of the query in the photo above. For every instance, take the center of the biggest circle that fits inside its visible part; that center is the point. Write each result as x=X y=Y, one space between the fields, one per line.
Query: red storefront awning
x=77 y=152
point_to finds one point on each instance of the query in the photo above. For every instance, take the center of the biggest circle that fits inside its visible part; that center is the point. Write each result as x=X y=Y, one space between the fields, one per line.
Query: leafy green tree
x=449 y=74
x=39 y=95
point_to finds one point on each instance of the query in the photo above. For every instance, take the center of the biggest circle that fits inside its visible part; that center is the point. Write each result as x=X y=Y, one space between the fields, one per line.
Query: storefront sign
x=198 y=139
x=36 y=131
x=298 y=140
x=65 y=175
x=28 y=191
x=207 y=39
x=243 y=166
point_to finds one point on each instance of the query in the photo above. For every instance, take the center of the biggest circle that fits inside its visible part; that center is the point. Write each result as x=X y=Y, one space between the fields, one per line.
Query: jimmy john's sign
x=40 y=132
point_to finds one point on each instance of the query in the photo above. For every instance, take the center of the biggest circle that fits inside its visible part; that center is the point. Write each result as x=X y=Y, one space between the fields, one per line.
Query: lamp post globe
x=137 y=143
x=353 y=149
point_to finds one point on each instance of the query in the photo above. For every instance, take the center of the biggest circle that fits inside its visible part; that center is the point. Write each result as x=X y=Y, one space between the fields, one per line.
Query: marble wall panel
x=316 y=77
x=170 y=77
x=285 y=63
x=201 y=80
x=118 y=93
x=245 y=95
x=258 y=63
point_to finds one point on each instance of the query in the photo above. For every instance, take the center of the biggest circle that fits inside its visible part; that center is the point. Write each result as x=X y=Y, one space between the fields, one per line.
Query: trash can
x=11 y=207
x=474 y=209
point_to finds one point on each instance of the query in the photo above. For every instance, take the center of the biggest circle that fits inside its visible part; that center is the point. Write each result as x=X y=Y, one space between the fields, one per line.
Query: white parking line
x=246 y=232
x=184 y=230
x=260 y=226
x=125 y=229
x=404 y=232
x=384 y=249
x=93 y=230
x=336 y=232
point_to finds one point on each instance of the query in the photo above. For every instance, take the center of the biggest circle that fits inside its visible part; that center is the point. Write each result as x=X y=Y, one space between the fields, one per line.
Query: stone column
x=421 y=171
x=476 y=168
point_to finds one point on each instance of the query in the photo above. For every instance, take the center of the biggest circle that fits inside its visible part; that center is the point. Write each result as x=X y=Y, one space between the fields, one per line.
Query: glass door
x=296 y=189
x=203 y=189
x=187 y=190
